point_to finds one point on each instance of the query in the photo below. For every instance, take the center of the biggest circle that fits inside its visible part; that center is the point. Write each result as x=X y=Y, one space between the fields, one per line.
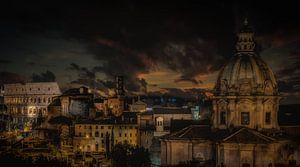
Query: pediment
x=248 y=136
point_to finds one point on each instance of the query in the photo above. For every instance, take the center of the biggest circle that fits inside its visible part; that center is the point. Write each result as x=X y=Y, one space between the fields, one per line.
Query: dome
x=246 y=73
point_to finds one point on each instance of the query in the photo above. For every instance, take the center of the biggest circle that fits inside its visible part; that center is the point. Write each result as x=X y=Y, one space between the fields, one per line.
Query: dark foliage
x=126 y=155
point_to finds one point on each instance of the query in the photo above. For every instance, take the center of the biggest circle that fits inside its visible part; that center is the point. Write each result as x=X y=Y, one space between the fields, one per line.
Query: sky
x=159 y=47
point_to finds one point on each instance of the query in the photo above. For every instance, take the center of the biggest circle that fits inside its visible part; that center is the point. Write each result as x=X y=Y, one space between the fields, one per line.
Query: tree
x=131 y=156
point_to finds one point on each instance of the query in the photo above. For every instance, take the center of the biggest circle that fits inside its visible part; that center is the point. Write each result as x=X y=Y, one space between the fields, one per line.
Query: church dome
x=246 y=73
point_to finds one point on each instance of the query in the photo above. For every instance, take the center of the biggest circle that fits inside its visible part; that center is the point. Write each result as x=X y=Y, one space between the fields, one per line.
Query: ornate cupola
x=246 y=89
x=245 y=41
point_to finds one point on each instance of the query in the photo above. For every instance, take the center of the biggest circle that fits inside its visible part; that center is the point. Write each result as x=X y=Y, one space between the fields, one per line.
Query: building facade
x=26 y=102
x=101 y=136
x=245 y=130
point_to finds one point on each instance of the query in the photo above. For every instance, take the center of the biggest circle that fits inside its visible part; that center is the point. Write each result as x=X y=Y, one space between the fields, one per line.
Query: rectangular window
x=268 y=118
x=245 y=118
x=223 y=118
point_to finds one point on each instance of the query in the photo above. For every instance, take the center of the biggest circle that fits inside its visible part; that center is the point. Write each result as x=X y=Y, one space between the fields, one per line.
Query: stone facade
x=100 y=137
x=27 y=101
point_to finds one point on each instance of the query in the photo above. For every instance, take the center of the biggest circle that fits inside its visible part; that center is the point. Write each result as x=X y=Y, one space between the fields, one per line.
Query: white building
x=25 y=102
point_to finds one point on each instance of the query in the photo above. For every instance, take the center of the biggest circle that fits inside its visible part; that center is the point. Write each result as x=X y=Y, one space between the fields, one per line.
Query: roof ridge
x=188 y=129
x=233 y=134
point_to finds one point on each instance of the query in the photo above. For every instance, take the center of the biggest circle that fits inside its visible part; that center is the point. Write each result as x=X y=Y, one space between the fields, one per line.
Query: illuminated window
x=223 y=118
x=245 y=119
x=268 y=118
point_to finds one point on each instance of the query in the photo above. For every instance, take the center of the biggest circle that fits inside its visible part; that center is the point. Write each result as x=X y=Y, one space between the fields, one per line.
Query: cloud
x=88 y=77
x=10 y=77
x=47 y=76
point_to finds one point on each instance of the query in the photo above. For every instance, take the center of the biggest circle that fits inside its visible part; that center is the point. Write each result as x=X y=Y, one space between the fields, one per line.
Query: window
x=268 y=118
x=102 y=141
x=79 y=134
x=109 y=127
x=90 y=127
x=91 y=135
x=97 y=134
x=102 y=127
x=97 y=147
x=101 y=134
x=125 y=134
x=245 y=119
x=48 y=89
x=39 y=89
x=120 y=134
x=147 y=122
x=130 y=135
x=96 y=126
x=223 y=118
x=39 y=100
x=44 y=100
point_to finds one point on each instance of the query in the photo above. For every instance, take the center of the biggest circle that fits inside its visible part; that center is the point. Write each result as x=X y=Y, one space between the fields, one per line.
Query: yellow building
x=100 y=136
